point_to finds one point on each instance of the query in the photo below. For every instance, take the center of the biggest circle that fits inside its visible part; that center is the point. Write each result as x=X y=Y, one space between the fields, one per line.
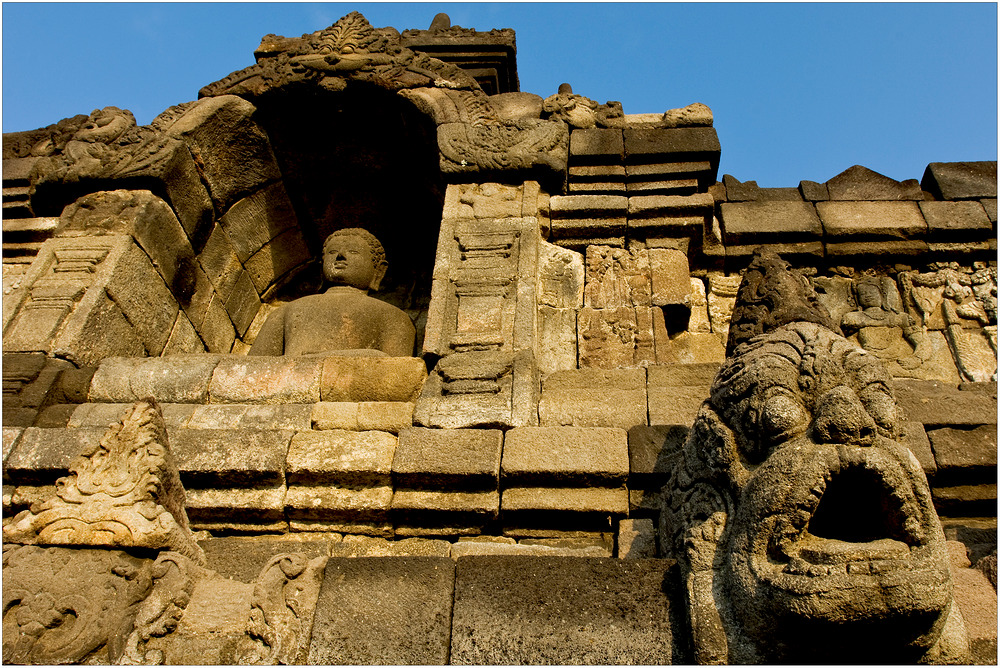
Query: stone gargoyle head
x=804 y=527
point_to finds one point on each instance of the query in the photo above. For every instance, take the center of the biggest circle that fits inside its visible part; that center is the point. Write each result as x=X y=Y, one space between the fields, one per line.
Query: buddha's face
x=347 y=260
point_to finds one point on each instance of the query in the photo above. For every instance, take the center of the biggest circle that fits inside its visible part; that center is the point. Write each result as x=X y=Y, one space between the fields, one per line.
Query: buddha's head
x=354 y=257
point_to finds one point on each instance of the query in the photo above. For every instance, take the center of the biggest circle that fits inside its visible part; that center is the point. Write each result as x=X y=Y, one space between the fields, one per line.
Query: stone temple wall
x=572 y=319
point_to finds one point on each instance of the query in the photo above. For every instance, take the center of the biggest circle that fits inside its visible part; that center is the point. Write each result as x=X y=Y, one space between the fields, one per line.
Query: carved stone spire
x=124 y=492
x=772 y=295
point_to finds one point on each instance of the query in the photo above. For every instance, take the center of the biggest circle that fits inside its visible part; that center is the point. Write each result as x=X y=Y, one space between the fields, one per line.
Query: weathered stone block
x=698 y=374
x=566 y=207
x=617 y=277
x=887 y=220
x=619 y=337
x=423 y=511
x=675 y=393
x=251 y=416
x=934 y=403
x=604 y=142
x=861 y=183
x=652 y=452
x=593 y=398
x=960 y=180
x=266 y=380
x=183 y=338
x=669 y=277
x=955 y=221
x=965 y=454
x=371 y=546
x=386 y=610
x=276 y=258
x=341 y=457
x=228 y=509
x=562 y=506
x=560 y=277
x=10 y=437
x=767 y=222
x=976 y=599
x=562 y=456
x=493 y=547
x=334 y=508
x=448 y=458
x=555 y=343
x=219 y=261
x=366 y=378
x=636 y=539
x=230 y=457
x=256 y=219
x=105 y=415
x=233 y=151
x=524 y=610
x=914 y=437
x=180 y=379
x=242 y=558
x=42 y=455
x=681 y=144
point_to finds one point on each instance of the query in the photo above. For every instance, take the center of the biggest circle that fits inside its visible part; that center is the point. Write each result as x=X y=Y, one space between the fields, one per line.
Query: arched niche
x=360 y=157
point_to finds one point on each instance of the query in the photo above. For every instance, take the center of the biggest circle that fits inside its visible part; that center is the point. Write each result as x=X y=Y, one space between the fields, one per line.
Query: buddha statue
x=344 y=317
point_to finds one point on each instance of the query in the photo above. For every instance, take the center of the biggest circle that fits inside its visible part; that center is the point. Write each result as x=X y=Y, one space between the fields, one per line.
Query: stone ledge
x=564 y=456
x=453 y=459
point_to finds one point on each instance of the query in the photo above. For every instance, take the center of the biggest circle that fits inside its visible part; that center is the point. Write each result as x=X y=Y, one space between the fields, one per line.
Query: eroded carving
x=800 y=520
x=344 y=317
x=124 y=492
x=578 y=111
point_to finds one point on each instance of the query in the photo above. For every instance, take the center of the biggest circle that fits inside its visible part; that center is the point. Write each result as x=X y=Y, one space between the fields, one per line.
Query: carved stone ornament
x=284 y=600
x=67 y=605
x=804 y=527
x=351 y=49
x=124 y=492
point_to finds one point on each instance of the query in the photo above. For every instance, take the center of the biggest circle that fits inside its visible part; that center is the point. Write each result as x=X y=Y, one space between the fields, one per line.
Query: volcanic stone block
x=42 y=455
x=183 y=338
x=219 y=261
x=673 y=395
x=266 y=380
x=593 y=398
x=365 y=378
x=956 y=221
x=976 y=599
x=182 y=379
x=228 y=509
x=669 y=277
x=553 y=610
x=242 y=558
x=876 y=248
x=968 y=455
x=960 y=180
x=636 y=539
x=105 y=415
x=914 y=437
x=384 y=610
x=669 y=215
x=452 y=459
x=424 y=512
x=256 y=219
x=234 y=153
x=230 y=457
x=620 y=337
x=503 y=546
x=371 y=546
x=10 y=437
x=935 y=404
x=861 y=183
x=251 y=416
x=334 y=508
x=555 y=341
x=341 y=457
x=586 y=144
x=563 y=456
x=768 y=222
x=390 y=416
x=813 y=192
x=591 y=216
x=564 y=507
x=652 y=452
x=276 y=258
x=871 y=220
x=675 y=144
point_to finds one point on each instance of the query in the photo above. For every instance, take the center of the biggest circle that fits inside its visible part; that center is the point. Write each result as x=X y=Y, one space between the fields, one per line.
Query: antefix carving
x=125 y=493
x=804 y=528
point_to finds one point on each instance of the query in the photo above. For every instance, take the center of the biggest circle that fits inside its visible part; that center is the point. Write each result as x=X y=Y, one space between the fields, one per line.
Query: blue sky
x=799 y=91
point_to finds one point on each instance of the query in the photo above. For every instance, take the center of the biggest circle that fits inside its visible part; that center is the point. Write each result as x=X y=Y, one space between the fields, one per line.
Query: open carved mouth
x=860 y=517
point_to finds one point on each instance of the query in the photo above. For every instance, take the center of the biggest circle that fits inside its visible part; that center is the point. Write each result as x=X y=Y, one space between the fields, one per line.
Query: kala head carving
x=805 y=529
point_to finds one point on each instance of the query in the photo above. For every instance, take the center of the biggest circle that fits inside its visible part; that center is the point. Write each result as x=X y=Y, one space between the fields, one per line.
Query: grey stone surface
x=569 y=398
x=564 y=456
x=871 y=220
x=965 y=455
x=170 y=379
x=914 y=437
x=230 y=457
x=652 y=452
x=341 y=457
x=242 y=557
x=266 y=380
x=42 y=455
x=297 y=417
x=961 y=180
x=539 y=610
x=956 y=221
x=860 y=183
x=767 y=222
x=593 y=142
x=448 y=459
x=937 y=404
x=385 y=610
